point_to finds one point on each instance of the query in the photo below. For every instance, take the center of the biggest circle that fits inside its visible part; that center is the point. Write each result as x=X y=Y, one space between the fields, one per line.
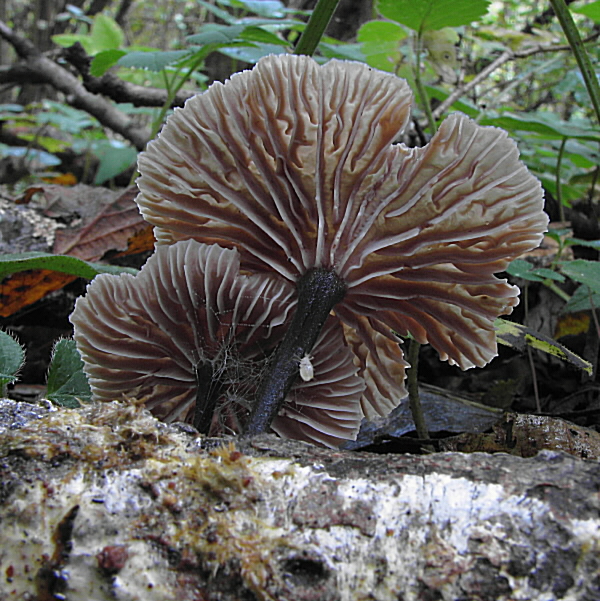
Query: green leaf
x=548 y=274
x=380 y=31
x=44 y=158
x=153 y=61
x=252 y=54
x=104 y=60
x=520 y=268
x=14 y=263
x=380 y=44
x=265 y=8
x=583 y=299
x=591 y=10
x=67 y=382
x=519 y=337
x=545 y=124
x=12 y=357
x=424 y=15
x=583 y=271
x=579 y=242
x=66 y=40
x=258 y=34
x=216 y=34
x=343 y=51
x=218 y=12
x=114 y=159
x=105 y=34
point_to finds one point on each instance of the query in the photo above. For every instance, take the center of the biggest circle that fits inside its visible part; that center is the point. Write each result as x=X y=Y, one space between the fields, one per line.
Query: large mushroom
x=294 y=165
x=190 y=336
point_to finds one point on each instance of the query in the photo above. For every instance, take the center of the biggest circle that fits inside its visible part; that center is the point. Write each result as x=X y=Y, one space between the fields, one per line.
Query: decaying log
x=107 y=503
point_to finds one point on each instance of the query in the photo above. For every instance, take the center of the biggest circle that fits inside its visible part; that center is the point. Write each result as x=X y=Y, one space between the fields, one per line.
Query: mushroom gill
x=190 y=336
x=294 y=165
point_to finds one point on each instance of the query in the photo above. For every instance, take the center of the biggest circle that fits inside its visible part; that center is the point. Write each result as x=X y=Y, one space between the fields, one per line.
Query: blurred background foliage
x=181 y=46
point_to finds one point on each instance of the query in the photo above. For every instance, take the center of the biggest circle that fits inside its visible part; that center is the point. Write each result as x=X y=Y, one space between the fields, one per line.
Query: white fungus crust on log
x=107 y=503
x=294 y=164
x=150 y=336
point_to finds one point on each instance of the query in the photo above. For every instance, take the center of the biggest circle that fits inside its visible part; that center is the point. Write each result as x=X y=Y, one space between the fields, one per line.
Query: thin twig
x=505 y=57
x=536 y=392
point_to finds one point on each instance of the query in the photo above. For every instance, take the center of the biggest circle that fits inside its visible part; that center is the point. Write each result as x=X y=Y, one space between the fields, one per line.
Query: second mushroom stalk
x=293 y=165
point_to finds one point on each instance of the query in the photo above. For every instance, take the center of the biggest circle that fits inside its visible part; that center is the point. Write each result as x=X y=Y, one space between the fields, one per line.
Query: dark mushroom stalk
x=294 y=165
x=319 y=290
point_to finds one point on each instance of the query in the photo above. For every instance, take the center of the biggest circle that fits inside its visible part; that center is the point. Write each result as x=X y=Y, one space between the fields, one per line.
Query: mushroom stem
x=206 y=396
x=319 y=290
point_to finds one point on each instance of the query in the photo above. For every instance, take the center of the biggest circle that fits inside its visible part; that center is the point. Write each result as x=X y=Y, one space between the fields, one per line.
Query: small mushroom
x=294 y=165
x=190 y=336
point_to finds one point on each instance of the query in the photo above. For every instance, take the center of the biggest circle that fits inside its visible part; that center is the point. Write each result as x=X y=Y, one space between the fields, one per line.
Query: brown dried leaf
x=108 y=230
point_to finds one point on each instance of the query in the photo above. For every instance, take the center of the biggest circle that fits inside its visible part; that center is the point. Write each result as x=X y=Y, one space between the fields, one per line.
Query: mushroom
x=189 y=335
x=294 y=165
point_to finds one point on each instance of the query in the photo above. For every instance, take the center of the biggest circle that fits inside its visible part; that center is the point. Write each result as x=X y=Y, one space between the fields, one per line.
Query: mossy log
x=107 y=503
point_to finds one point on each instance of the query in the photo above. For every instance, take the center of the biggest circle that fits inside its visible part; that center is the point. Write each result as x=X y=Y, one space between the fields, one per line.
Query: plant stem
x=318 y=291
x=414 y=399
x=558 y=291
x=311 y=36
x=561 y=152
x=420 y=87
x=581 y=56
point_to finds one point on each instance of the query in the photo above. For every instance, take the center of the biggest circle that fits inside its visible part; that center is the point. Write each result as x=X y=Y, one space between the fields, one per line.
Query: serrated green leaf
x=12 y=357
x=153 y=61
x=14 y=263
x=519 y=337
x=425 y=15
x=583 y=271
x=104 y=60
x=67 y=383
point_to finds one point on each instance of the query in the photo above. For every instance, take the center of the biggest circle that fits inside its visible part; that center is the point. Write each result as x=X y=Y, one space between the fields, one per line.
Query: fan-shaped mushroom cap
x=294 y=165
x=144 y=336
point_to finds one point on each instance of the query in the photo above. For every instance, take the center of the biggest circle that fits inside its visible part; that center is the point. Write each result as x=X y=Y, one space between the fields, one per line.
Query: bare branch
x=117 y=89
x=42 y=69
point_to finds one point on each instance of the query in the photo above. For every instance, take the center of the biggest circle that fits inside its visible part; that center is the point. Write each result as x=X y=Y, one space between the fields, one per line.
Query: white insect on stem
x=307 y=372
